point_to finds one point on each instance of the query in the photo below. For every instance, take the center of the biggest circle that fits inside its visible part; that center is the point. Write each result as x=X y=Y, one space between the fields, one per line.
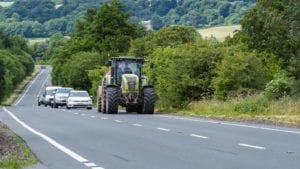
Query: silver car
x=61 y=96
x=79 y=99
x=47 y=97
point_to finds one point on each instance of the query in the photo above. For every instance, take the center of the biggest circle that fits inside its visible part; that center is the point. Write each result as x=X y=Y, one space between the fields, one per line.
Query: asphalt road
x=85 y=139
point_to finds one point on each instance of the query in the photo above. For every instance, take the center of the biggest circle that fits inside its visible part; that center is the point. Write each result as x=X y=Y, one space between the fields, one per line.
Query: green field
x=219 y=32
x=6 y=4
x=33 y=41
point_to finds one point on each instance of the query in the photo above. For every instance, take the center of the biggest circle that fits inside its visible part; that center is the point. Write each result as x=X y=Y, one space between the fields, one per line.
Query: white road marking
x=118 y=121
x=138 y=125
x=82 y=114
x=104 y=118
x=252 y=146
x=90 y=164
x=48 y=139
x=232 y=124
x=69 y=111
x=76 y=113
x=198 y=136
x=97 y=168
x=163 y=129
x=63 y=110
x=32 y=82
x=92 y=116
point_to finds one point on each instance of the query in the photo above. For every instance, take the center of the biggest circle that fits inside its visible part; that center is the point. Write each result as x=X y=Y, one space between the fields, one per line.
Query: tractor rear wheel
x=147 y=107
x=112 y=100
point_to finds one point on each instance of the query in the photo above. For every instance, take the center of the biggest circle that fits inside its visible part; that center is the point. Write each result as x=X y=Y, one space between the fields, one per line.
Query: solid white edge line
x=48 y=139
x=252 y=146
x=163 y=129
x=198 y=136
x=23 y=95
x=231 y=124
x=90 y=164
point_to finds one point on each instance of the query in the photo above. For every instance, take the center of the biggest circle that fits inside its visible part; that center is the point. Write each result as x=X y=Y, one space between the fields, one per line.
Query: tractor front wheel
x=112 y=100
x=148 y=102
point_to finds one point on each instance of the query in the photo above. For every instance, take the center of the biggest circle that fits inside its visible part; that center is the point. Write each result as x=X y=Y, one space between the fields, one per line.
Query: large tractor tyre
x=131 y=109
x=99 y=108
x=147 y=107
x=112 y=100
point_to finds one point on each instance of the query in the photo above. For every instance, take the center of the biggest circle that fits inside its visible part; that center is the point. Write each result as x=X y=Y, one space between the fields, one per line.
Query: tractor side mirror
x=108 y=63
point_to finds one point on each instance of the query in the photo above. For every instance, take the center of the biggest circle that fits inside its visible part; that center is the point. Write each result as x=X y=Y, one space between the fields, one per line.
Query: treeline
x=262 y=58
x=42 y=18
x=15 y=63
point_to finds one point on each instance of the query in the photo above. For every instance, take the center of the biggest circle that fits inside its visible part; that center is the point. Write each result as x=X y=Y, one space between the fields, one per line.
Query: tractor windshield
x=128 y=67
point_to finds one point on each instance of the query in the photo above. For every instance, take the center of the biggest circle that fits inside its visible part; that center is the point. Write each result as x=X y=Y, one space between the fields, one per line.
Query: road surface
x=85 y=139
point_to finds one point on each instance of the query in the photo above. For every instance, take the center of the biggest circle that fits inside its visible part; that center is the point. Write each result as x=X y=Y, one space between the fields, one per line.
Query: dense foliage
x=15 y=63
x=187 y=67
x=42 y=18
x=99 y=35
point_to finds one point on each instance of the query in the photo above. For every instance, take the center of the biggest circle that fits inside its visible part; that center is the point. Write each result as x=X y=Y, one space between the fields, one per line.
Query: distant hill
x=42 y=18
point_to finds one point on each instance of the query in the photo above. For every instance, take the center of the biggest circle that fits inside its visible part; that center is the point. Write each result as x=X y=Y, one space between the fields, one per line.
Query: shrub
x=280 y=86
x=240 y=70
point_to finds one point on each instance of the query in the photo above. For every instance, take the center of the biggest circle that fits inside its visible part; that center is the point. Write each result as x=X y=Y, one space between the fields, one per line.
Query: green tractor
x=125 y=85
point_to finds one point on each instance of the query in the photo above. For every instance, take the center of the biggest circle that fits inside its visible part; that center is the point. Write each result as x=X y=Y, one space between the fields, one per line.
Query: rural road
x=85 y=139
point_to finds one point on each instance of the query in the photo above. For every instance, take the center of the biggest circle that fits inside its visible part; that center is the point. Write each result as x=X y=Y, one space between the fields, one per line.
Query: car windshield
x=63 y=90
x=79 y=94
x=49 y=92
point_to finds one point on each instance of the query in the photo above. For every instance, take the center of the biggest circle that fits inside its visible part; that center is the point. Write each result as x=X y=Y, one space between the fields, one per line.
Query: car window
x=79 y=94
x=49 y=92
x=63 y=90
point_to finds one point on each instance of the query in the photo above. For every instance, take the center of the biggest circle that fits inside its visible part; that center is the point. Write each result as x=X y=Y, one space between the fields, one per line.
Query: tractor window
x=128 y=67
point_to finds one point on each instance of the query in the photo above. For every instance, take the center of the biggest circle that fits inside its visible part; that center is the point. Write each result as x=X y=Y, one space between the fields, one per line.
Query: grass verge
x=14 y=152
x=254 y=109
x=14 y=96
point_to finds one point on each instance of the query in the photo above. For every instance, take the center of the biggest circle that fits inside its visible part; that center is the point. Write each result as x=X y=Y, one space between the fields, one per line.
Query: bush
x=240 y=70
x=280 y=86
x=184 y=73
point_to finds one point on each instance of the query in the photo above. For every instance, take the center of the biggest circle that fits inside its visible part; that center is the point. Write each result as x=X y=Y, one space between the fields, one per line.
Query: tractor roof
x=127 y=58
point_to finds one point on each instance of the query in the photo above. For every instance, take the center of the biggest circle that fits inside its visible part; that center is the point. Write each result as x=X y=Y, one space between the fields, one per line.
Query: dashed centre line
x=198 y=136
x=90 y=164
x=104 y=118
x=92 y=116
x=118 y=121
x=162 y=129
x=138 y=125
x=252 y=146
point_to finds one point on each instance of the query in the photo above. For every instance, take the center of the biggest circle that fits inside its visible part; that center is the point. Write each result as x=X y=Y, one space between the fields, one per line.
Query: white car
x=61 y=96
x=47 y=97
x=79 y=99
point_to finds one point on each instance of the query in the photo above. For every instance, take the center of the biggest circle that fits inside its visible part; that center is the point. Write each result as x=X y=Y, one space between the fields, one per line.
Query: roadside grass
x=6 y=4
x=21 y=156
x=14 y=96
x=257 y=109
x=219 y=32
